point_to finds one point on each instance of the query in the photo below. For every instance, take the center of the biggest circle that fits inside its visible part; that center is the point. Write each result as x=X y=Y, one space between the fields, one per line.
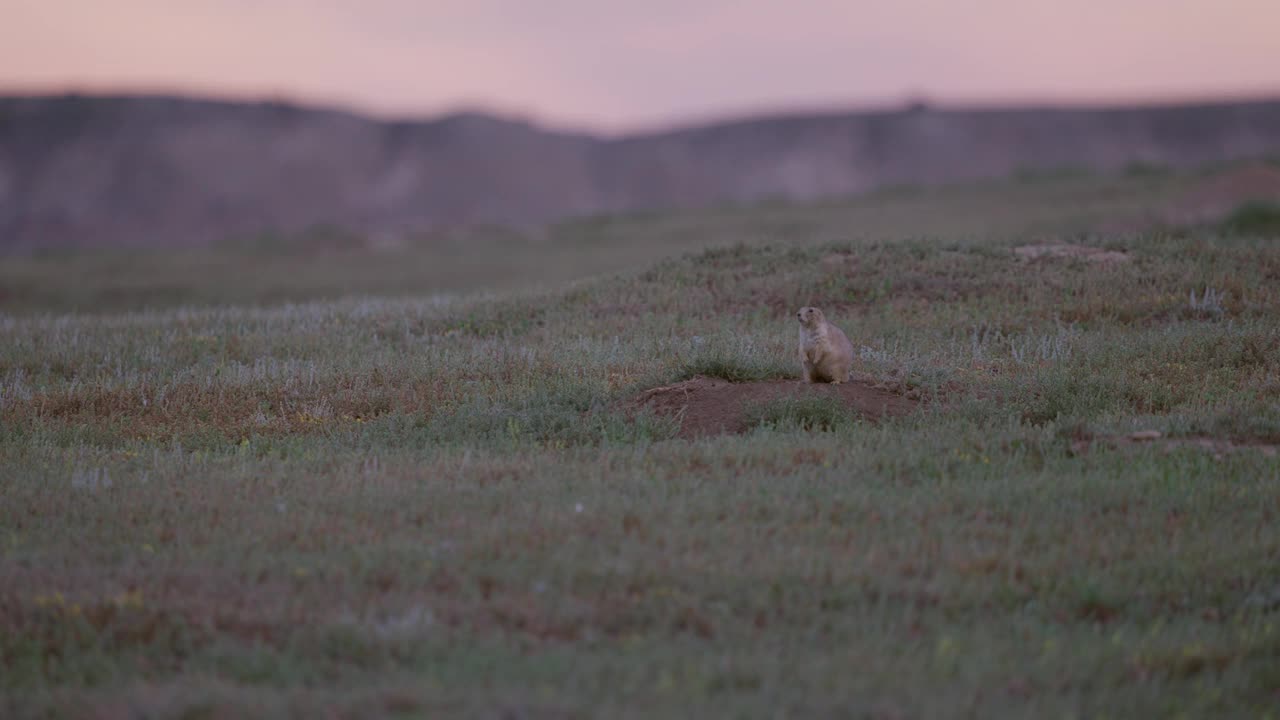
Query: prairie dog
x=825 y=353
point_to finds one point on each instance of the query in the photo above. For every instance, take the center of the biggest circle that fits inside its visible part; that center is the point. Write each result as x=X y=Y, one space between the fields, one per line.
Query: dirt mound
x=1064 y=250
x=1218 y=447
x=1220 y=194
x=711 y=406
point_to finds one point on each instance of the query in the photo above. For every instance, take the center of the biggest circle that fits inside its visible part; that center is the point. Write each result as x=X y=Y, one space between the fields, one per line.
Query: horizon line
x=904 y=102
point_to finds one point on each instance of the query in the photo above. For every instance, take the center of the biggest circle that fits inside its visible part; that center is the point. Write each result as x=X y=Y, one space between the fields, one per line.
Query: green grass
x=1254 y=218
x=735 y=360
x=448 y=506
x=825 y=413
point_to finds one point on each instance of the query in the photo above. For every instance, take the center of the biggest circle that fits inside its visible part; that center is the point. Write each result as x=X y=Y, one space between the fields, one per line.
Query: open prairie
x=275 y=480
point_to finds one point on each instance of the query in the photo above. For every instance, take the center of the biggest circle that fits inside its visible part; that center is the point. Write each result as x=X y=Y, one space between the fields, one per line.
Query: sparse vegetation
x=439 y=506
x=824 y=413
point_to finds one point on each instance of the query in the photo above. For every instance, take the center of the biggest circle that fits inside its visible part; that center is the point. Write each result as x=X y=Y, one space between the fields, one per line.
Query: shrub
x=1253 y=218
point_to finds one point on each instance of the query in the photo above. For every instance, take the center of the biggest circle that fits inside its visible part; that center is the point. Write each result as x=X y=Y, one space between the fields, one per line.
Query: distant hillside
x=152 y=170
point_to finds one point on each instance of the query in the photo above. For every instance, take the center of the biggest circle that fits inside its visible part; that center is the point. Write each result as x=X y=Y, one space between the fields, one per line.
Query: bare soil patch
x=711 y=406
x=1068 y=251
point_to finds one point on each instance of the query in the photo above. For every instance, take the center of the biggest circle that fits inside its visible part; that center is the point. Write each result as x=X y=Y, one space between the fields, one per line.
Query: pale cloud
x=617 y=64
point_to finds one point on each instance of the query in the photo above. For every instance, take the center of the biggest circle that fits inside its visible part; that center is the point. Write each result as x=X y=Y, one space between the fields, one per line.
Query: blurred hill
x=78 y=170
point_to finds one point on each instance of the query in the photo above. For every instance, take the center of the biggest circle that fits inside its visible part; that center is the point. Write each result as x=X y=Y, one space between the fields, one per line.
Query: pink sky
x=617 y=65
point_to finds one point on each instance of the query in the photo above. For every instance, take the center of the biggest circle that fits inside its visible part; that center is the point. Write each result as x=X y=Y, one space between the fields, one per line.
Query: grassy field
x=413 y=502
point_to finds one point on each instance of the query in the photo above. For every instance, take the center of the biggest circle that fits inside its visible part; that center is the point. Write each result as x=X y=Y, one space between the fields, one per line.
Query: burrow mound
x=711 y=406
x=1084 y=443
x=1065 y=250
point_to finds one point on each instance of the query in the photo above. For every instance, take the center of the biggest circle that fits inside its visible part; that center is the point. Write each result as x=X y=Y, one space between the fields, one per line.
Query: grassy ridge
x=442 y=506
x=324 y=264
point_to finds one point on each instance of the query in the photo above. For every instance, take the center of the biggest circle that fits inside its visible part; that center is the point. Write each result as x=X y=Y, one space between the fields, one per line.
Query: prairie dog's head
x=810 y=317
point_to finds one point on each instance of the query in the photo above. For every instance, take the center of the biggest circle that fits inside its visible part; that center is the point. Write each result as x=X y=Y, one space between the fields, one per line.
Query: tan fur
x=825 y=353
